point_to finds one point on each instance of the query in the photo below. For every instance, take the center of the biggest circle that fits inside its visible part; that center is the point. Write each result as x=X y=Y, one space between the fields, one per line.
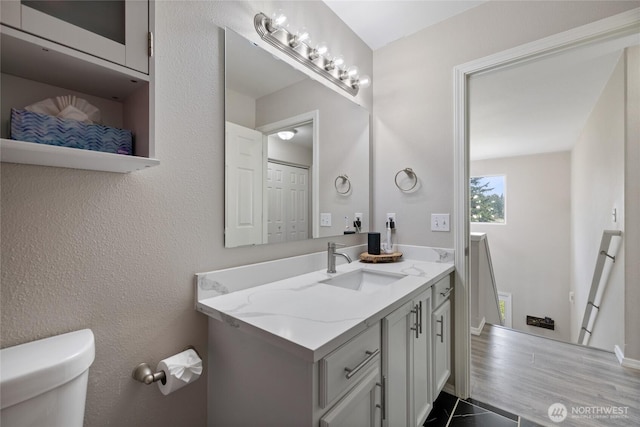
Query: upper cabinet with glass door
x=114 y=30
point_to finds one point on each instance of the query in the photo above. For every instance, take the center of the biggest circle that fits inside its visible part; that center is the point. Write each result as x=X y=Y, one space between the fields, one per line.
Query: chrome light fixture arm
x=304 y=54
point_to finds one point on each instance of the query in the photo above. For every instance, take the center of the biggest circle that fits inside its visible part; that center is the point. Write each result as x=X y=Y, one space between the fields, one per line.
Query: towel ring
x=409 y=173
x=344 y=179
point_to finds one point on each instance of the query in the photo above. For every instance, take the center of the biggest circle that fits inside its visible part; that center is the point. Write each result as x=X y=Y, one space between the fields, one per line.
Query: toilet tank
x=44 y=383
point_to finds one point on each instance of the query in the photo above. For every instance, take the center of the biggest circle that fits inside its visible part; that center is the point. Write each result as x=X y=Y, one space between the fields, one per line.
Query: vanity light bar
x=279 y=37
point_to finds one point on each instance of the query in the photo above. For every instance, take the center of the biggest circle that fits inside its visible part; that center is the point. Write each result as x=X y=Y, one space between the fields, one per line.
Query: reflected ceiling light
x=286 y=135
x=298 y=46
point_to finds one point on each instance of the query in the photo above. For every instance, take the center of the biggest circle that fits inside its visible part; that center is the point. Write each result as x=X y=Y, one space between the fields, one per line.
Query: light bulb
x=364 y=82
x=301 y=36
x=319 y=50
x=278 y=19
x=322 y=48
x=352 y=72
x=336 y=62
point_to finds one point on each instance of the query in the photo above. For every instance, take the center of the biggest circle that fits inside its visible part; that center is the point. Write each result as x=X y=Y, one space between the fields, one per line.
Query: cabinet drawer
x=341 y=369
x=441 y=291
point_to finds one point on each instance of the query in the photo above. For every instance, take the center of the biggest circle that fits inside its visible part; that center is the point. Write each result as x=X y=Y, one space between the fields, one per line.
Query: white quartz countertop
x=309 y=318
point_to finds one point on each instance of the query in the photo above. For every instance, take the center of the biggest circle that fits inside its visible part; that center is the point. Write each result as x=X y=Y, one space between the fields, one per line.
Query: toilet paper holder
x=145 y=374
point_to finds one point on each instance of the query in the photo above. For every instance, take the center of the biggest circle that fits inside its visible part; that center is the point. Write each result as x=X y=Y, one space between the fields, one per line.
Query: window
x=487 y=199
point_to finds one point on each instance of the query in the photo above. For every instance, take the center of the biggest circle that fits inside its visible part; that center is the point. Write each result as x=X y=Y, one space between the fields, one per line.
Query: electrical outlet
x=440 y=222
x=391 y=216
x=357 y=216
x=572 y=297
x=325 y=220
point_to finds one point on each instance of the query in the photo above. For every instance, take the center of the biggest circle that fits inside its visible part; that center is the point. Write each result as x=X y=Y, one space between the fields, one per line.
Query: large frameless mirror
x=296 y=152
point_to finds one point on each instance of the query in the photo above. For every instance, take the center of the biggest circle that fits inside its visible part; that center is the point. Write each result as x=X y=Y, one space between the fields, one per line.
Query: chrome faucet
x=331 y=256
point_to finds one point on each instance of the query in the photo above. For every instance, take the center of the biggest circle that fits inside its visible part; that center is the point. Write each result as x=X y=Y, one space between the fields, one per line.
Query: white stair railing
x=599 y=279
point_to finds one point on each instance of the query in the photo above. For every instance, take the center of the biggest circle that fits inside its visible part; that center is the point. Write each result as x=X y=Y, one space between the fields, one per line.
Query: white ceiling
x=380 y=22
x=540 y=106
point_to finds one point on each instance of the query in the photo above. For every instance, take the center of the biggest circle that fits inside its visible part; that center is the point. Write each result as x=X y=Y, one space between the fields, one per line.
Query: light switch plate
x=325 y=220
x=440 y=222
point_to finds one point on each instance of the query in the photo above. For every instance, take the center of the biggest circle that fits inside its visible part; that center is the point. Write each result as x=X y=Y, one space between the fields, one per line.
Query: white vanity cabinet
x=300 y=352
x=406 y=343
x=259 y=383
x=45 y=56
x=441 y=335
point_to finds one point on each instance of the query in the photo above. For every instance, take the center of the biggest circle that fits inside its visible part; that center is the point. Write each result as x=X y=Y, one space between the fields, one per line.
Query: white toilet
x=44 y=383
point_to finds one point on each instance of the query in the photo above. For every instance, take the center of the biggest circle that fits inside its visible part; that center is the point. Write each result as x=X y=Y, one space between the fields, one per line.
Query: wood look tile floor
x=526 y=374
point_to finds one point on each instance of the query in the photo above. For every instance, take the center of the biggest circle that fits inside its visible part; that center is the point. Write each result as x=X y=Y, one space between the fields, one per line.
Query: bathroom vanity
x=359 y=347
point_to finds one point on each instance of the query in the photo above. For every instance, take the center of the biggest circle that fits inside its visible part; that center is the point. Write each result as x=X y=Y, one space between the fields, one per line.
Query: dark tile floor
x=449 y=411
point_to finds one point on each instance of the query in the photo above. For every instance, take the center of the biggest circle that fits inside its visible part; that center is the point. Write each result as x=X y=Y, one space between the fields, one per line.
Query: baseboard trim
x=619 y=353
x=449 y=388
x=477 y=331
x=625 y=362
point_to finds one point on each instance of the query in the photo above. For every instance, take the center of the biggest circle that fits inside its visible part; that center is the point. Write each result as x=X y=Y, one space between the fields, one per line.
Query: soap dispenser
x=390 y=225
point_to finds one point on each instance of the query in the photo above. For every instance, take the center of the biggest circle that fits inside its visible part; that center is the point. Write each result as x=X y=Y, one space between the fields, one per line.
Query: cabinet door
x=422 y=350
x=397 y=356
x=442 y=346
x=113 y=30
x=360 y=407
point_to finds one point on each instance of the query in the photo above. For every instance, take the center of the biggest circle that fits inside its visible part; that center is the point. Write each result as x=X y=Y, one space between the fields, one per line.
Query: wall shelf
x=30 y=153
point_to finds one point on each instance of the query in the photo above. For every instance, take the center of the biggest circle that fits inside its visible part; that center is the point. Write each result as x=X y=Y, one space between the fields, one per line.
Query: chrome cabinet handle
x=441 y=334
x=370 y=355
x=420 y=315
x=416 y=328
x=446 y=292
x=383 y=399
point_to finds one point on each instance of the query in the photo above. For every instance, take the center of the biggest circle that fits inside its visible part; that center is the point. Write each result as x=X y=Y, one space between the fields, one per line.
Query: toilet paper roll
x=180 y=369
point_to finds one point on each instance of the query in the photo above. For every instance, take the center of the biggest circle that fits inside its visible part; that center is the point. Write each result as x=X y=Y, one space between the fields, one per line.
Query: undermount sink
x=363 y=280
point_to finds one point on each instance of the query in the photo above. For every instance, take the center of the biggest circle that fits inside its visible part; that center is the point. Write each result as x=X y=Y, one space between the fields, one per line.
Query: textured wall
x=118 y=253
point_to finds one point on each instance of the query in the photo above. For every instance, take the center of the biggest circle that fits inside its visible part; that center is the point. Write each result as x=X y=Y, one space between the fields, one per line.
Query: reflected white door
x=244 y=170
x=288 y=199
